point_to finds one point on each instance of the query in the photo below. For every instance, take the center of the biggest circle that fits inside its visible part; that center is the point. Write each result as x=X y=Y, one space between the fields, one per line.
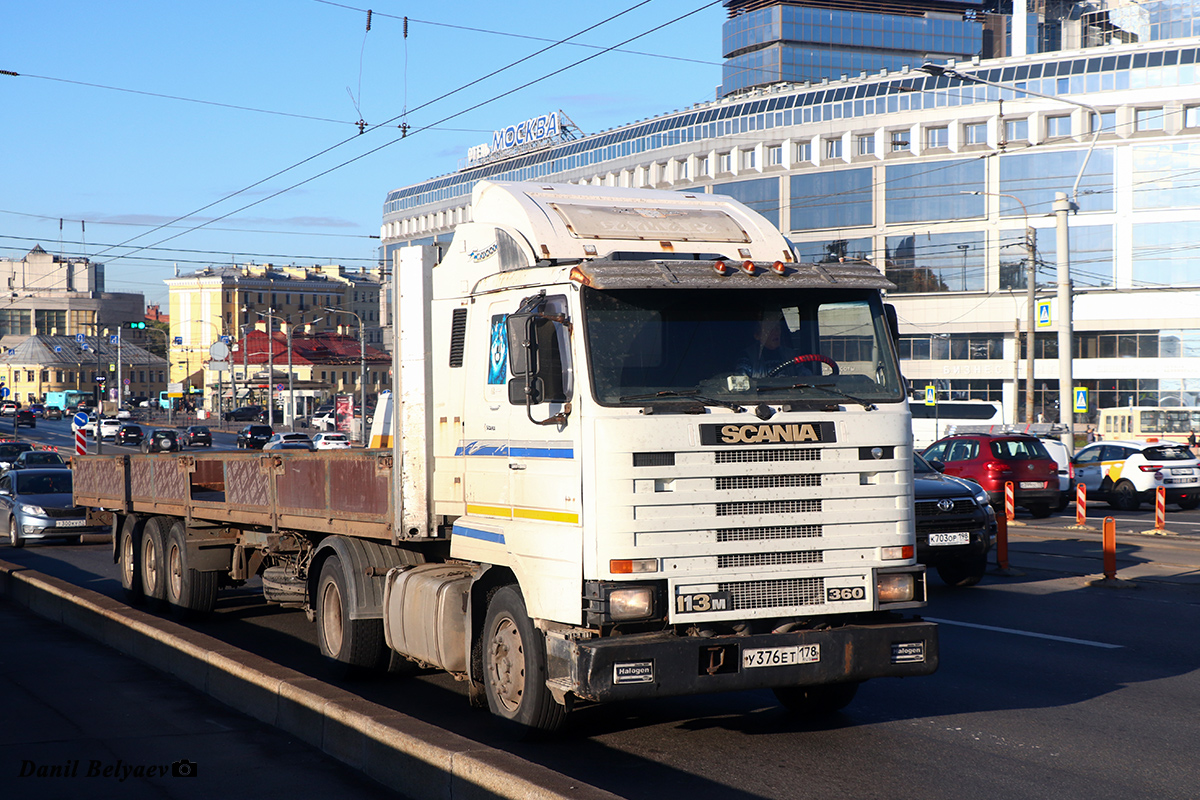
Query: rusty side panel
x=100 y=481
x=209 y=476
x=301 y=484
x=358 y=486
x=247 y=484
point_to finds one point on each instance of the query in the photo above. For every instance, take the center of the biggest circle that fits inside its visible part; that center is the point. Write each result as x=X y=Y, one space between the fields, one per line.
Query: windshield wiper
x=669 y=394
x=827 y=387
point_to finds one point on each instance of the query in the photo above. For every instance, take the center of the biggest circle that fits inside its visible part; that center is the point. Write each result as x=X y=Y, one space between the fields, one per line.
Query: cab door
x=485 y=431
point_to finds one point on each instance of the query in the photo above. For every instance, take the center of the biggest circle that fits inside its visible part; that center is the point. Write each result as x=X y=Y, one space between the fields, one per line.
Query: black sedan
x=956 y=526
x=25 y=417
x=161 y=441
x=40 y=459
x=129 y=434
x=253 y=437
x=52 y=412
x=196 y=436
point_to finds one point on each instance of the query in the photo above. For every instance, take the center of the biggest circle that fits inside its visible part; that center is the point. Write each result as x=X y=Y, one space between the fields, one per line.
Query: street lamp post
x=291 y=375
x=1030 y=281
x=362 y=374
x=1062 y=208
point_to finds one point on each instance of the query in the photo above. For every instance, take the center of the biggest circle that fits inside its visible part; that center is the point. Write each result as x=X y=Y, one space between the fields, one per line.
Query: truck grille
x=775 y=594
x=768 y=507
x=774 y=532
x=760 y=456
x=735 y=560
x=733 y=482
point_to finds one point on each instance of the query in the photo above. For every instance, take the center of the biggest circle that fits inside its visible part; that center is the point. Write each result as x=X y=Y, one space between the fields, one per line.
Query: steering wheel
x=805 y=359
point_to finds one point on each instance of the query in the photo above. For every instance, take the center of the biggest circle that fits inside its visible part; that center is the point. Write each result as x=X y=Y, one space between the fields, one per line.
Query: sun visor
x=649 y=223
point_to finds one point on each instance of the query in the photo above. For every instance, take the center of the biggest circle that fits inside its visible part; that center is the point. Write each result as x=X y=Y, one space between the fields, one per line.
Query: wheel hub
x=508 y=664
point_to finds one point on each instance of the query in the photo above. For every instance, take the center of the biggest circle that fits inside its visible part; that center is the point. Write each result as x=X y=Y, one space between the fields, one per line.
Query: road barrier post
x=1110 y=548
x=1160 y=513
x=1002 y=544
x=1080 y=510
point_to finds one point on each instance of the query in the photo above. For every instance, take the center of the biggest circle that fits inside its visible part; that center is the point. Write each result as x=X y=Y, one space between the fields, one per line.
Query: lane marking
x=1031 y=634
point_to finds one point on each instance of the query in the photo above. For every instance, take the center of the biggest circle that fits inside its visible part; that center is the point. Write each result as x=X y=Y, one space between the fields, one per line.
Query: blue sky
x=103 y=129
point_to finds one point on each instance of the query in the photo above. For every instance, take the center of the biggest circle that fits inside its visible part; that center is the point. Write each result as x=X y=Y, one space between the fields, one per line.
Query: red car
x=993 y=460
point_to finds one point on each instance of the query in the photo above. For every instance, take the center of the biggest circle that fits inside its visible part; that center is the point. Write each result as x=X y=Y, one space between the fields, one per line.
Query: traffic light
x=137 y=326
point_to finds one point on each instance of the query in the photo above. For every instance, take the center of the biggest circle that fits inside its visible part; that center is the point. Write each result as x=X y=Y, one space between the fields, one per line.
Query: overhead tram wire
x=413 y=131
x=371 y=128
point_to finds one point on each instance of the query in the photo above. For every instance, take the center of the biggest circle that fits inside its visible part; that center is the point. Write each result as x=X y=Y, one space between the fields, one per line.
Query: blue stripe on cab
x=476 y=533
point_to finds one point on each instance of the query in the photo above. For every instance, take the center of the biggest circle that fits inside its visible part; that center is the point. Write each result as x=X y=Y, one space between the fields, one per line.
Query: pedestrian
x=1091 y=434
x=1192 y=440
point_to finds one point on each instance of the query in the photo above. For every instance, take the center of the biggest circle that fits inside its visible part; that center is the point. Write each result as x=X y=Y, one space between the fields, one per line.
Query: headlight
x=983 y=498
x=36 y=511
x=633 y=603
x=896 y=587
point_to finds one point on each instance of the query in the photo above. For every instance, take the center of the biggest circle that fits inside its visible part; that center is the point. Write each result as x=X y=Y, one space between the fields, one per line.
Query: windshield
x=52 y=482
x=1019 y=449
x=739 y=346
x=1168 y=452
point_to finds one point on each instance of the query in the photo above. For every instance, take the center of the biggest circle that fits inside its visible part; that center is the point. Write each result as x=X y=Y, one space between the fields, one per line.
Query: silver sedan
x=38 y=504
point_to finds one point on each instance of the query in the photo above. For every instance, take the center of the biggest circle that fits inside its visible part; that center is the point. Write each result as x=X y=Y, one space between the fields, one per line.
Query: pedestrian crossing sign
x=1043 y=314
x=931 y=395
x=1081 y=401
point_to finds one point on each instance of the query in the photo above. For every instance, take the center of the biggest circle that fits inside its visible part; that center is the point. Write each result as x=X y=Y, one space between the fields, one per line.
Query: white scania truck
x=637 y=451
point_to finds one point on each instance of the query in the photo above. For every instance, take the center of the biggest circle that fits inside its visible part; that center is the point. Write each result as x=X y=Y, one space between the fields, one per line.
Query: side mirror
x=536 y=364
x=893 y=322
x=940 y=466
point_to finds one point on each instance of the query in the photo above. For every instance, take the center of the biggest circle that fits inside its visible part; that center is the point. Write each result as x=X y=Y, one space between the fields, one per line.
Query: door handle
x=515 y=465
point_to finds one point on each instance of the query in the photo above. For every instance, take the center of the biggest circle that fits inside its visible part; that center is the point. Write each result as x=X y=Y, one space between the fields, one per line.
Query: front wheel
x=1125 y=497
x=1189 y=502
x=816 y=700
x=514 y=667
x=14 y=536
x=963 y=573
x=1039 y=510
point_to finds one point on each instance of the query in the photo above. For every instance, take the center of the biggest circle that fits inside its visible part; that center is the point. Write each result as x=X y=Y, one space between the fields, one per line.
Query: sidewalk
x=84 y=720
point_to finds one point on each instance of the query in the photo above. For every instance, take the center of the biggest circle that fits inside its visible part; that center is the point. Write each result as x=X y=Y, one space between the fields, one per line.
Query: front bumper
x=665 y=665
x=32 y=527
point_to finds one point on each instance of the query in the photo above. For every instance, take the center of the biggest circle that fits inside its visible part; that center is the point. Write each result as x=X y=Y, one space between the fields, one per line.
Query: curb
x=407 y=755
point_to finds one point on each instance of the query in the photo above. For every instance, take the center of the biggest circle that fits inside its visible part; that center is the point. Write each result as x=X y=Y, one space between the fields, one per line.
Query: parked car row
x=1125 y=474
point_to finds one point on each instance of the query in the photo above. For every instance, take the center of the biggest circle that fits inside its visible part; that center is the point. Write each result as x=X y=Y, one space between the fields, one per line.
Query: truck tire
x=351 y=644
x=128 y=558
x=151 y=561
x=189 y=593
x=514 y=667
x=816 y=700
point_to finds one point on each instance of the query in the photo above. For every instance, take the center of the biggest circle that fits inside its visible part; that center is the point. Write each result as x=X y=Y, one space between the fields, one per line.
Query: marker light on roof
x=748 y=267
x=721 y=267
x=778 y=268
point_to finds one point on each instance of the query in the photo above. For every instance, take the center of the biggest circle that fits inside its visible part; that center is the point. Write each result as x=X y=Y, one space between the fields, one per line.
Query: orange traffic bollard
x=1110 y=548
x=1081 y=505
x=1002 y=543
x=1160 y=508
x=1009 y=505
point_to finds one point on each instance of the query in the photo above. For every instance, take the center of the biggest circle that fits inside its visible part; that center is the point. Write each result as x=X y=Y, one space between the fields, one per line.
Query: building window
x=937 y=137
x=866 y=145
x=14 y=321
x=681 y=170
x=724 y=162
x=899 y=141
x=1016 y=130
x=804 y=151
x=1191 y=116
x=774 y=155
x=748 y=159
x=702 y=167
x=1107 y=122
x=1058 y=126
x=1148 y=119
x=975 y=133
x=833 y=148
x=47 y=321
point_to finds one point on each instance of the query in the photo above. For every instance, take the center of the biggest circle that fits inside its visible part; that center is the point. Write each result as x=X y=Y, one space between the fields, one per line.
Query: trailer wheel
x=816 y=700
x=514 y=667
x=189 y=593
x=151 y=563
x=352 y=644
x=128 y=547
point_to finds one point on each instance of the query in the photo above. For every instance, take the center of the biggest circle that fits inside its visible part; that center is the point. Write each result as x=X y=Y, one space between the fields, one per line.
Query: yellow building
x=217 y=302
x=43 y=364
